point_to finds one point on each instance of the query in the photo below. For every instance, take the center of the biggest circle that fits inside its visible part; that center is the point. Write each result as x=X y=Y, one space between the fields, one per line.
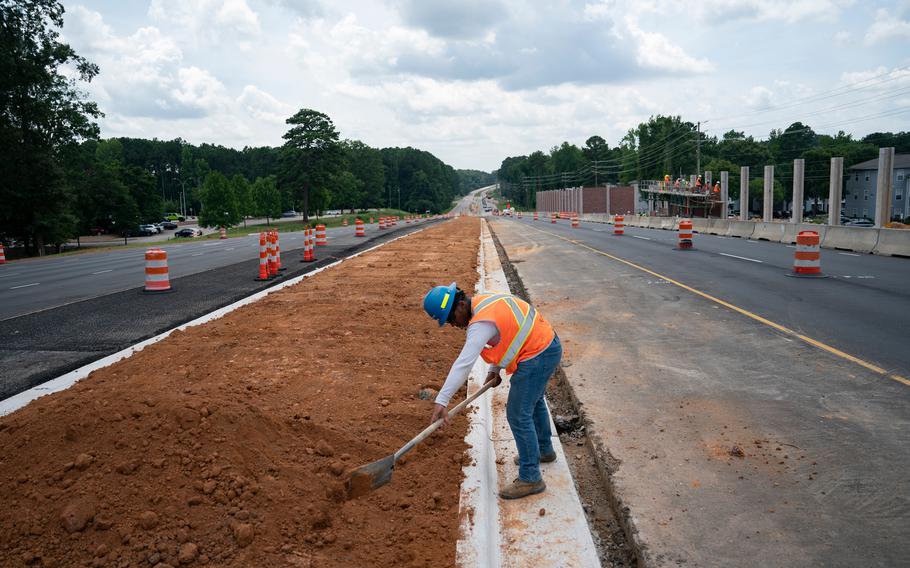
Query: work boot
x=520 y=489
x=544 y=458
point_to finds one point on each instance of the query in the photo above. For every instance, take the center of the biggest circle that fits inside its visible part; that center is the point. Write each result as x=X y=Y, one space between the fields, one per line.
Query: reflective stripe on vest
x=525 y=325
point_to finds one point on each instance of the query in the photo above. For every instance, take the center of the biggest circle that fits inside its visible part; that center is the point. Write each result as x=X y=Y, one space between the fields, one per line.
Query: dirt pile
x=226 y=444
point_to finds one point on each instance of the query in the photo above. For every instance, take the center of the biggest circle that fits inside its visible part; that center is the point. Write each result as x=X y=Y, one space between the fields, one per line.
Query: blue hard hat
x=438 y=302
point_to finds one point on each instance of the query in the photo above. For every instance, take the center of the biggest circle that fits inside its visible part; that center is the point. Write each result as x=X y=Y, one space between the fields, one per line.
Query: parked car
x=169 y=225
x=859 y=223
x=174 y=217
x=289 y=214
x=148 y=229
x=188 y=232
x=158 y=227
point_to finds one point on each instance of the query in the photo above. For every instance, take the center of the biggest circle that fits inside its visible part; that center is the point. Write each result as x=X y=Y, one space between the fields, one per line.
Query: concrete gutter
x=545 y=530
x=67 y=380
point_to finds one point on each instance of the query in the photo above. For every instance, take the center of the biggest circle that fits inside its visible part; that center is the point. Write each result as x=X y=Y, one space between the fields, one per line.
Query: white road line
x=232 y=248
x=848 y=254
x=790 y=246
x=103 y=271
x=642 y=238
x=750 y=241
x=741 y=257
x=25 y=285
x=196 y=254
x=10 y=274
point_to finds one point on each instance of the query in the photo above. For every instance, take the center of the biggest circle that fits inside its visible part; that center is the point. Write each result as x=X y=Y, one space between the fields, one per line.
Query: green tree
x=365 y=164
x=43 y=114
x=310 y=155
x=347 y=191
x=219 y=204
x=266 y=197
x=243 y=191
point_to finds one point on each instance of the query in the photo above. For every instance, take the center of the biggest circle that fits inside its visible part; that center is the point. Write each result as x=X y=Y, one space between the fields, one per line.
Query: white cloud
x=655 y=51
x=210 y=21
x=790 y=11
x=261 y=105
x=887 y=26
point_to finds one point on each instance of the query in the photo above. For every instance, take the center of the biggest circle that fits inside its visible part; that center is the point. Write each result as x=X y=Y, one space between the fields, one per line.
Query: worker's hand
x=494 y=376
x=440 y=411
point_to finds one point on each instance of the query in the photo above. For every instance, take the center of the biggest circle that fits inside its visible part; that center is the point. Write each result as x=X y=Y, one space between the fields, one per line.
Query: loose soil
x=590 y=465
x=227 y=444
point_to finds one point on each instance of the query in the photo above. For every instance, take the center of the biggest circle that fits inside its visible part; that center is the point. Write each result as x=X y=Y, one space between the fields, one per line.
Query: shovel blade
x=369 y=477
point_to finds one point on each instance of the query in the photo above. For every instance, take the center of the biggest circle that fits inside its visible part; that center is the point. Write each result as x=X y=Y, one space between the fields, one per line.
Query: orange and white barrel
x=371 y=220
x=574 y=220
x=807 y=258
x=359 y=229
x=320 y=236
x=553 y=218
x=344 y=222
x=382 y=222
x=685 y=234
x=223 y=233
x=619 y=225
x=263 y=258
x=2 y=254
x=535 y=215
x=156 y=271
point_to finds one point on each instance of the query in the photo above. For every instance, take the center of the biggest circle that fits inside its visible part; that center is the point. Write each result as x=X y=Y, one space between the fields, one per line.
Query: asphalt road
x=861 y=308
x=727 y=441
x=93 y=319
x=28 y=286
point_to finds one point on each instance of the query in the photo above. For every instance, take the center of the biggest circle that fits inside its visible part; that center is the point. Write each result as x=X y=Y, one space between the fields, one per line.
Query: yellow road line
x=785 y=330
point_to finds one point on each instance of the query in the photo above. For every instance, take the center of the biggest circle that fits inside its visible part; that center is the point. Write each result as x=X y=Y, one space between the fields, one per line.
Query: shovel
x=374 y=475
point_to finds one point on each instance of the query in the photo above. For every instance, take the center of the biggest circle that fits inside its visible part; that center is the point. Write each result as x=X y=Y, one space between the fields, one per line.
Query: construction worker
x=717 y=186
x=666 y=181
x=676 y=185
x=508 y=333
x=698 y=183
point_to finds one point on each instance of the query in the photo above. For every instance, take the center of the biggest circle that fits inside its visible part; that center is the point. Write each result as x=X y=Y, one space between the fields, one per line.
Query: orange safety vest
x=523 y=333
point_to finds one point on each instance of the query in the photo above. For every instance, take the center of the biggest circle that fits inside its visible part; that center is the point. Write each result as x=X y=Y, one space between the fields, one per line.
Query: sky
x=474 y=81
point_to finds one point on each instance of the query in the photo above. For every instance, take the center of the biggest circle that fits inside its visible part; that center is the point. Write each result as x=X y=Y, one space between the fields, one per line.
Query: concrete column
x=635 y=195
x=724 y=195
x=744 y=193
x=691 y=181
x=835 y=190
x=768 y=198
x=799 y=169
x=607 y=200
x=883 y=189
x=707 y=178
x=581 y=200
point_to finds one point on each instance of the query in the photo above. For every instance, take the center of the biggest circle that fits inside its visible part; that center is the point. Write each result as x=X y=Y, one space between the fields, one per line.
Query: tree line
x=668 y=145
x=58 y=179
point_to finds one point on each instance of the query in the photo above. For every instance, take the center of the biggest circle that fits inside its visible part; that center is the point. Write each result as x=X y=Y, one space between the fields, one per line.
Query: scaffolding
x=667 y=199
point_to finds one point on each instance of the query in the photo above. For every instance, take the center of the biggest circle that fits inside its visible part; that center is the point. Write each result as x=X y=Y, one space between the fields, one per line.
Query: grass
x=292 y=226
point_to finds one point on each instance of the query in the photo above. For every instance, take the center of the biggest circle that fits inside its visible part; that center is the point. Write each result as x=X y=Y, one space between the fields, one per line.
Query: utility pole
x=698 y=148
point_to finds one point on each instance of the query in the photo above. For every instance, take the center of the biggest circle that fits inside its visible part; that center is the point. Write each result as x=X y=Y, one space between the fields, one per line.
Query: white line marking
x=848 y=254
x=790 y=246
x=232 y=248
x=642 y=238
x=196 y=254
x=741 y=257
x=103 y=271
x=25 y=285
x=750 y=241
x=10 y=274
x=720 y=237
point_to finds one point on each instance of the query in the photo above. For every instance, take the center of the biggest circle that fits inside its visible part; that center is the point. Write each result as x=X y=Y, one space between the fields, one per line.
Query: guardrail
x=885 y=242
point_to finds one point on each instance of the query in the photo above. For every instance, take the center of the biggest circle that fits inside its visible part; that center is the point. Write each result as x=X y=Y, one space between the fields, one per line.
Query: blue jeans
x=526 y=412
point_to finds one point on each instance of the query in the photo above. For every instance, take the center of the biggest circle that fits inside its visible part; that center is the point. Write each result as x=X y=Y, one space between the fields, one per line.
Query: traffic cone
x=263 y=259
x=278 y=252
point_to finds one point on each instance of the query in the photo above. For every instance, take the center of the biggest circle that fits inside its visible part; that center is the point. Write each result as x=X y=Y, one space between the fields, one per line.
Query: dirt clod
x=77 y=514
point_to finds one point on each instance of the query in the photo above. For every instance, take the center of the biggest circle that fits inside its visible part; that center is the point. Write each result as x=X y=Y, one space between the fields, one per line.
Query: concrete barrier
x=893 y=242
x=791 y=230
x=717 y=227
x=857 y=239
x=773 y=232
x=595 y=218
x=699 y=225
x=742 y=229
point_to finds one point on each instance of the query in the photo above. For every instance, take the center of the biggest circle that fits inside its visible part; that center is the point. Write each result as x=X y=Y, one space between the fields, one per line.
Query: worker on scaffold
x=508 y=333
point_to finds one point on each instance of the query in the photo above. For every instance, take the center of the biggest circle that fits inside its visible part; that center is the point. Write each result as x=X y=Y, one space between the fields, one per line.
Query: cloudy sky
x=474 y=81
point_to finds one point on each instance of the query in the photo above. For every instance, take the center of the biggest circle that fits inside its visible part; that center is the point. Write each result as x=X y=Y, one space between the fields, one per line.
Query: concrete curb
x=67 y=380
x=523 y=537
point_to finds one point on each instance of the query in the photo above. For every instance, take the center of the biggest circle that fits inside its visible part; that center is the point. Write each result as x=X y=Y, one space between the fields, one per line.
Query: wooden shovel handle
x=432 y=427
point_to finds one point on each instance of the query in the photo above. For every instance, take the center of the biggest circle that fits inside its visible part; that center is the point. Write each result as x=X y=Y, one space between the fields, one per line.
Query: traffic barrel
x=574 y=220
x=320 y=236
x=2 y=254
x=371 y=220
x=223 y=233
x=278 y=252
x=156 y=271
x=685 y=234
x=553 y=218
x=344 y=222
x=359 y=230
x=382 y=222
x=263 y=258
x=535 y=215
x=619 y=225
x=807 y=258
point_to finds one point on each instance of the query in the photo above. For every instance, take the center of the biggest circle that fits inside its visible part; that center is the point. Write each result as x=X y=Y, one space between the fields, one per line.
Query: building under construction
x=671 y=199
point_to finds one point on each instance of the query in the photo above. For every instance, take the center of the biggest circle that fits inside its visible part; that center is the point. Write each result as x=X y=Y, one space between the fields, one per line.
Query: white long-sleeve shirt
x=479 y=335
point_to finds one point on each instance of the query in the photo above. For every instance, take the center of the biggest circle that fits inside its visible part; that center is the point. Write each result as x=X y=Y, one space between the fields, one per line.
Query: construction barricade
x=574 y=220
x=807 y=258
x=263 y=258
x=619 y=225
x=359 y=230
x=157 y=278
x=320 y=236
x=685 y=234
